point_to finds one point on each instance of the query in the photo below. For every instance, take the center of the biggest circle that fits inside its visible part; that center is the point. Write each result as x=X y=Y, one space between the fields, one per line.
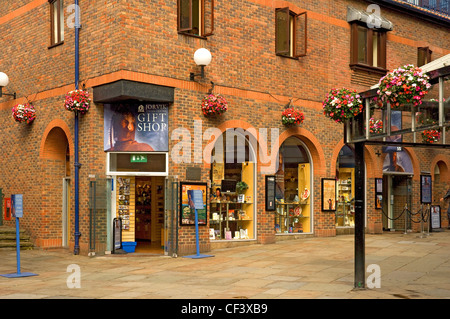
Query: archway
x=294 y=188
x=234 y=185
x=55 y=169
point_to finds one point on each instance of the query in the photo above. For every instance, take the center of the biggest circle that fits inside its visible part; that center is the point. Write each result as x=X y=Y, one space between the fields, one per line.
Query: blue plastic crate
x=129 y=246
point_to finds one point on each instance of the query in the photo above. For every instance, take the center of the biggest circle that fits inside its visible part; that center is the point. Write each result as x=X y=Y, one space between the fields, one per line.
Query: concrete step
x=8 y=238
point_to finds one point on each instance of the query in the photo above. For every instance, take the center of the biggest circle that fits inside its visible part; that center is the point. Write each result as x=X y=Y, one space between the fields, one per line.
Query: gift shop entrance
x=140 y=207
x=149 y=207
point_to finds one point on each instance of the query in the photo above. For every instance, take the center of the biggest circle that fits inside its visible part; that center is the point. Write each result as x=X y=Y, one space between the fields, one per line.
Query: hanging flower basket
x=375 y=126
x=291 y=116
x=77 y=100
x=342 y=104
x=214 y=104
x=431 y=136
x=405 y=85
x=24 y=113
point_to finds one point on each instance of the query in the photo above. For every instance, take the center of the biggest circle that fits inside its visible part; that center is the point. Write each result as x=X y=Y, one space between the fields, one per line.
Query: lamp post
x=4 y=81
x=202 y=57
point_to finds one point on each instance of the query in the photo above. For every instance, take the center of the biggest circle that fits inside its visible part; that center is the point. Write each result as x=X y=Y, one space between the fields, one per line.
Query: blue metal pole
x=197 y=240
x=18 y=244
x=76 y=164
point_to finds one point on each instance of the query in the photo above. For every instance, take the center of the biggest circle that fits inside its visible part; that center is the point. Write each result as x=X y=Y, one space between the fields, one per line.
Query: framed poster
x=187 y=212
x=435 y=212
x=425 y=189
x=270 y=193
x=396 y=125
x=378 y=193
x=328 y=194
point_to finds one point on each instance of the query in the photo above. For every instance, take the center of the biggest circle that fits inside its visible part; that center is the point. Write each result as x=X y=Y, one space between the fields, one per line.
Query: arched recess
x=313 y=145
x=369 y=159
x=55 y=153
x=57 y=123
x=440 y=166
x=234 y=164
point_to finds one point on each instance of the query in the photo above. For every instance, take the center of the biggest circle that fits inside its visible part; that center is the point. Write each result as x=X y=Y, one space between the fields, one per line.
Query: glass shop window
x=233 y=188
x=293 y=189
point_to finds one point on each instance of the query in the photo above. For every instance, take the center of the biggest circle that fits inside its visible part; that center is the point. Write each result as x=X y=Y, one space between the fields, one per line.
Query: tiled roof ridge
x=404 y=2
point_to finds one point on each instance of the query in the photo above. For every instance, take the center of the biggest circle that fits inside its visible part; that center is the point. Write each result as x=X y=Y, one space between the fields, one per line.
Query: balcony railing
x=438 y=6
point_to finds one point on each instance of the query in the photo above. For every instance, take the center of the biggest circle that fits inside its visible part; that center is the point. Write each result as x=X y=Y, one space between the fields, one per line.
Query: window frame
x=426 y=55
x=56 y=27
x=367 y=65
x=292 y=35
x=202 y=18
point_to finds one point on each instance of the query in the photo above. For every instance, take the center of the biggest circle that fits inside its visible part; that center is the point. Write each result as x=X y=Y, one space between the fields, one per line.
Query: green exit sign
x=138 y=158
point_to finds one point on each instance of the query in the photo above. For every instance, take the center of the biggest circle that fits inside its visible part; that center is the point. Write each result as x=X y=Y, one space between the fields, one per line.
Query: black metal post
x=359 y=216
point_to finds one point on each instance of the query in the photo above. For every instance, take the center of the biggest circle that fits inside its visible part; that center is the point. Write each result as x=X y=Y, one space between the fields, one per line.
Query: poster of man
x=187 y=207
x=134 y=127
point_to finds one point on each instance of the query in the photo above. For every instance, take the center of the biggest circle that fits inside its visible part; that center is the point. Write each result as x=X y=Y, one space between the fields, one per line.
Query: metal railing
x=439 y=6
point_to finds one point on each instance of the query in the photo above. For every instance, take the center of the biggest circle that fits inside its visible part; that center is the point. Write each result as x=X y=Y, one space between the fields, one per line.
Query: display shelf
x=227 y=215
x=345 y=193
x=289 y=217
x=232 y=216
x=292 y=214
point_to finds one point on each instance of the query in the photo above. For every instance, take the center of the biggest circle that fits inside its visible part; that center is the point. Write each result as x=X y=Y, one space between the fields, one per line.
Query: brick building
x=137 y=56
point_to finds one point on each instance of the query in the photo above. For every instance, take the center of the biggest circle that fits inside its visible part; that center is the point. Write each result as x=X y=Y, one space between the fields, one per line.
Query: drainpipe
x=76 y=164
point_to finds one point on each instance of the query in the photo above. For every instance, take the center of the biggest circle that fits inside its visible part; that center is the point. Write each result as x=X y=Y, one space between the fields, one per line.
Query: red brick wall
x=138 y=40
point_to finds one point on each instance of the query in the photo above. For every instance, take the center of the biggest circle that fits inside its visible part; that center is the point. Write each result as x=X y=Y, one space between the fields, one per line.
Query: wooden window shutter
x=208 y=17
x=301 y=34
x=184 y=15
x=423 y=56
x=382 y=53
x=282 y=31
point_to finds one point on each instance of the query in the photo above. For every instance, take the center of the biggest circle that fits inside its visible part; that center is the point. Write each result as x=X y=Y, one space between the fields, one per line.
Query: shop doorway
x=397 y=189
x=149 y=208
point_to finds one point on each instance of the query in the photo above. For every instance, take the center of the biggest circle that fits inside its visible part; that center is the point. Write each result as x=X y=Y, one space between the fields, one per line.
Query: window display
x=232 y=208
x=125 y=207
x=345 y=209
x=293 y=189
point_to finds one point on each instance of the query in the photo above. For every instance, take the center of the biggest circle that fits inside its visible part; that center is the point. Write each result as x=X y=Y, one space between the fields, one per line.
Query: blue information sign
x=197 y=198
x=17 y=205
x=17 y=212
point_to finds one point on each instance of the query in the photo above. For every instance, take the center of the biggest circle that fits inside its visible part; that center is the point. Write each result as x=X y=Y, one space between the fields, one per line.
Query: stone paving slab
x=307 y=268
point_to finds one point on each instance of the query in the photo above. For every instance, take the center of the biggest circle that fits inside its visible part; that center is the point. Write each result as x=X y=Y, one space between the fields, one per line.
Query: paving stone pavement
x=411 y=267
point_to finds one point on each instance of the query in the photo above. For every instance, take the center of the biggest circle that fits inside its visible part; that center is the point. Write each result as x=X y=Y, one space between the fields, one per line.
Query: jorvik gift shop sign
x=136 y=127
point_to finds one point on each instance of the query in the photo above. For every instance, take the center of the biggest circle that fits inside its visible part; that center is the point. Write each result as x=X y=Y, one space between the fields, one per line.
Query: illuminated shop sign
x=136 y=127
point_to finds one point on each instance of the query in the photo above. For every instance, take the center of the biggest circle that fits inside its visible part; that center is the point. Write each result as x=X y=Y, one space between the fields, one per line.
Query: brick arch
x=443 y=162
x=313 y=145
x=415 y=162
x=233 y=124
x=369 y=159
x=47 y=146
x=311 y=142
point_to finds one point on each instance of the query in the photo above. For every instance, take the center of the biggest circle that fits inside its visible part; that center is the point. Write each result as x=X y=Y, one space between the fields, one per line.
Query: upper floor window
x=56 y=22
x=196 y=17
x=423 y=56
x=368 y=47
x=290 y=33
